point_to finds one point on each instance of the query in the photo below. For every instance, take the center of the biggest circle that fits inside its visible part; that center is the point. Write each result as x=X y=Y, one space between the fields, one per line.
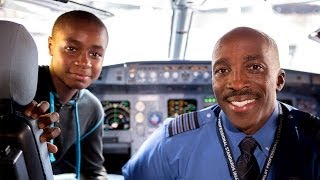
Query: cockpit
x=158 y=61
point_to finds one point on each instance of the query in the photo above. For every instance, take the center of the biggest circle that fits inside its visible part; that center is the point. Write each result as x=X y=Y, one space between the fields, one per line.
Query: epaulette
x=182 y=123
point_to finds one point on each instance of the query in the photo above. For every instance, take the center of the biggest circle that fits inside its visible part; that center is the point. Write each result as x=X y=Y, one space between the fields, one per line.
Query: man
x=248 y=134
x=77 y=46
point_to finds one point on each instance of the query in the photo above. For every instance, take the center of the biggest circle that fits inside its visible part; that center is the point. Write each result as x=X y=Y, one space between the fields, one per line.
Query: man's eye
x=256 y=67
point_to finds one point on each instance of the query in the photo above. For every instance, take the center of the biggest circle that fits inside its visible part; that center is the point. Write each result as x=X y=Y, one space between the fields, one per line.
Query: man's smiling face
x=246 y=76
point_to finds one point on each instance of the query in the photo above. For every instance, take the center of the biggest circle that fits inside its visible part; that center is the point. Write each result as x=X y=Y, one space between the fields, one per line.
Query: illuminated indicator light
x=209 y=100
x=140 y=106
x=139 y=117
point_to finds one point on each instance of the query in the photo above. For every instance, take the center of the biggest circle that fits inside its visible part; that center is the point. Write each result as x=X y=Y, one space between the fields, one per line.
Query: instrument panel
x=137 y=97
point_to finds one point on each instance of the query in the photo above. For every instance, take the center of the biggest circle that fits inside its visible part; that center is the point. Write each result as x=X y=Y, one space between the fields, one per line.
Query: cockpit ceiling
x=105 y=7
x=110 y=8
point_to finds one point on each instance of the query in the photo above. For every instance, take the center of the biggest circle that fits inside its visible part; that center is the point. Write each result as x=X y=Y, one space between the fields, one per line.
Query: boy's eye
x=72 y=49
x=220 y=71
x=95 y=54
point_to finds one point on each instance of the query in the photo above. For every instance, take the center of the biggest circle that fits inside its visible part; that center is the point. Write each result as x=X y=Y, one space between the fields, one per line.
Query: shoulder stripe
x=183 y=123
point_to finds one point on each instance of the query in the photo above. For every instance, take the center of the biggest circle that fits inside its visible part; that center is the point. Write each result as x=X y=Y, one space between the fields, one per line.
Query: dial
x=117 y=115
x=180 y=106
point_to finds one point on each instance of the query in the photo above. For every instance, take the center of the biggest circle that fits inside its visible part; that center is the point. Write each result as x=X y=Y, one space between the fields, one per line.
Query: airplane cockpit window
x=158 y=61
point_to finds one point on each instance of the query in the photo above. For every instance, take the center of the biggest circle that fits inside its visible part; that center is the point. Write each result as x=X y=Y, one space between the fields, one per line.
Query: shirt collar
x=264 y=136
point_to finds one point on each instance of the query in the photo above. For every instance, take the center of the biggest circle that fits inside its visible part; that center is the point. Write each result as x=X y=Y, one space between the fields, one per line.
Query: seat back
x=18 y=63
x=22 y=156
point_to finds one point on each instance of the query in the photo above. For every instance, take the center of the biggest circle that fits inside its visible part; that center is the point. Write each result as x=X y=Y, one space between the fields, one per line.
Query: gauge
x=166 y=75
x=140 y=106
x=154 y=119
x=180 y=106
x=139 y=117
x=117 y=115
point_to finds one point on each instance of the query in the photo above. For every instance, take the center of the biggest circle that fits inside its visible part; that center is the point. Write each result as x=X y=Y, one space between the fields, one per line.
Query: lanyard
x=78 y=146
x=51 y=99
x=227 y=150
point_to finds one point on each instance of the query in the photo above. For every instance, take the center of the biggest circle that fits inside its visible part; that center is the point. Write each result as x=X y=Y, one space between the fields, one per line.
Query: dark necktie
x=247 y=166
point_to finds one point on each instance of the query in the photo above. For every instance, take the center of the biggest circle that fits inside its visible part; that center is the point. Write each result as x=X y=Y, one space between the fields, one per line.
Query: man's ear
x=280 y=80
x=50 y=45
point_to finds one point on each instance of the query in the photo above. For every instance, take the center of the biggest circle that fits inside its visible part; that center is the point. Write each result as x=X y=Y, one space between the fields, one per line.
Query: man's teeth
x=241 y=103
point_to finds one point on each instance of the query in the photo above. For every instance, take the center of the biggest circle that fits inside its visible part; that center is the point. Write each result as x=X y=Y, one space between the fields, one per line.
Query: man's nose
x=238 y=80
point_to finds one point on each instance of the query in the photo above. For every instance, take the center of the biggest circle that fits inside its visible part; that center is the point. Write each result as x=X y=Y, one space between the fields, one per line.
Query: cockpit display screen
x=117 y=115
x=180 y=106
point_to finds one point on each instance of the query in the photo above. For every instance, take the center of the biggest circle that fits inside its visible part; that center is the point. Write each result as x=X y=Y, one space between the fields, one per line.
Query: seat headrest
x=18 y=63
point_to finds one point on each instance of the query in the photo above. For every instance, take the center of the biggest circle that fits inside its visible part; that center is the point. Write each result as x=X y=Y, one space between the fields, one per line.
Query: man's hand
x=37 y=111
